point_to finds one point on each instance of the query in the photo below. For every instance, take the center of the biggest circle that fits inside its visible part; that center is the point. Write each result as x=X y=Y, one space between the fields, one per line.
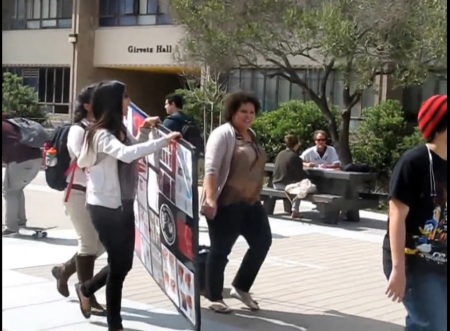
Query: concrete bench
x=328 y=205
x=269 y=197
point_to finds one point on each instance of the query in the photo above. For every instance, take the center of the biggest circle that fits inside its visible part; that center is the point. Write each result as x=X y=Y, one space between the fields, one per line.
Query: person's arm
x=335 y=163
x=397 y=232
x=107 y=143
x=143 y=135
x=75 y=139
x=215 y=152
x=306 y=159
x=402 y=191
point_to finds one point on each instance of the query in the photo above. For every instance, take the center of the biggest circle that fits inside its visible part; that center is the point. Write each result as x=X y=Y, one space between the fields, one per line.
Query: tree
x=204 y=96
x=20 y=100
x=362 y=39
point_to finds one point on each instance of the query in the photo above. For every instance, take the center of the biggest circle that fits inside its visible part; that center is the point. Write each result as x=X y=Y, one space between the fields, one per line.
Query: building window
x=52 y=85
x=134 y=12
x=40 y=14
x=272 y=91
x=414 y=96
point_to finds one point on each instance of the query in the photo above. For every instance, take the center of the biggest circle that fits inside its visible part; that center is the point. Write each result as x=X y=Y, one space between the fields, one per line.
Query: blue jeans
x=425 y=299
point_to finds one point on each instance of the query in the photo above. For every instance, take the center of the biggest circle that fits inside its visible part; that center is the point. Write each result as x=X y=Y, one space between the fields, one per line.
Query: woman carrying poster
x=234 y=173
x=107 y=156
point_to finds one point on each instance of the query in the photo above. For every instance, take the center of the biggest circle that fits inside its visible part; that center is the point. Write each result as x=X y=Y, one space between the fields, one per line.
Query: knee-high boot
x=85 y=271
x=62 y=274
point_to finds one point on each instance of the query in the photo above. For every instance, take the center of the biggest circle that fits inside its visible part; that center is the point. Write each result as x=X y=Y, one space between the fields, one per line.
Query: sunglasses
x=320 y=139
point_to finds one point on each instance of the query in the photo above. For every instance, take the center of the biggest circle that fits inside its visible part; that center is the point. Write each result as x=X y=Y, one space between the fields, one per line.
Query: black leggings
x=116 y=231
x=252 y=223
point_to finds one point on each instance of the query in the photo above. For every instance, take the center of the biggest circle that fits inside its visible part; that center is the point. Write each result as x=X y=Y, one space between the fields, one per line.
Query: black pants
x=116 y=231
x=252 y=223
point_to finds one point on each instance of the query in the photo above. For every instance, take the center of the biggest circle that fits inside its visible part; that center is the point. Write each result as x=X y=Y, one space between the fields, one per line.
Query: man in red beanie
x=415 y=246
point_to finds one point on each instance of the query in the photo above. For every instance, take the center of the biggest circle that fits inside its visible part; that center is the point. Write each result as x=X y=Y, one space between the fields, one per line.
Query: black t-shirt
x=425 y=193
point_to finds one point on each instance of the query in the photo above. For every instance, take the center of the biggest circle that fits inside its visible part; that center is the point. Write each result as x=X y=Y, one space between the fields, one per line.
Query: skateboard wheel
x=35 y=235
x=44 y=235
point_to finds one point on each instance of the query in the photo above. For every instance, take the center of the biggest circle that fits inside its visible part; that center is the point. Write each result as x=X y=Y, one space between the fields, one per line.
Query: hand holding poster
x=166 y=210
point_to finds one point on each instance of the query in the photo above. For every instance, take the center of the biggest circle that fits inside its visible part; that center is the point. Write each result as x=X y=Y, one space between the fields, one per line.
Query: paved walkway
x=316 y=278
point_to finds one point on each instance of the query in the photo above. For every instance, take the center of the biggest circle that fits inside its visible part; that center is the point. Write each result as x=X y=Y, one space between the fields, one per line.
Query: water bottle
x=51 y=160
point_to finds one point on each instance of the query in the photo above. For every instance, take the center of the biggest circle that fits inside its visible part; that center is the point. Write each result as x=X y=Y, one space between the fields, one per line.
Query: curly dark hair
x=234 y=101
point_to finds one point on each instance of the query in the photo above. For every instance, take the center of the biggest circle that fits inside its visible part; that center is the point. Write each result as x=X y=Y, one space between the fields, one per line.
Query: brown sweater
x=12 y=149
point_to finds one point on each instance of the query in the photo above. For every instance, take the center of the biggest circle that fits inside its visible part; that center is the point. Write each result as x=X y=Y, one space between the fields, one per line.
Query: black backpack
x=192 y=134
x=57 y=164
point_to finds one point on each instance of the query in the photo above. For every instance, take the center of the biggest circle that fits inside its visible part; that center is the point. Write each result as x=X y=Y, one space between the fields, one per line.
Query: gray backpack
x=32 y=133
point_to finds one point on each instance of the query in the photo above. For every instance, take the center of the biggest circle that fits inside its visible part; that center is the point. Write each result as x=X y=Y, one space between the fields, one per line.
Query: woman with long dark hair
x=89 y=245
x=108 y=156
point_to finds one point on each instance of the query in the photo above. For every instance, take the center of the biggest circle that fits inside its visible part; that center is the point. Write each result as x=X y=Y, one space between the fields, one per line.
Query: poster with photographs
x=166 y=210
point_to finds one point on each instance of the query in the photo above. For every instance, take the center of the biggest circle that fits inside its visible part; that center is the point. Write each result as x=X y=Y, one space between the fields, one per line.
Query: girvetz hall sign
x=156 y=49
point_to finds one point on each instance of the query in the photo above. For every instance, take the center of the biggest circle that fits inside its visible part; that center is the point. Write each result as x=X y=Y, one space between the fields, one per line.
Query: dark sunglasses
x=320 y=139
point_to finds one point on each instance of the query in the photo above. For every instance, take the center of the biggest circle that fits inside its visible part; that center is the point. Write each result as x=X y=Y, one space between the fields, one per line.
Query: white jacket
x=100 y=163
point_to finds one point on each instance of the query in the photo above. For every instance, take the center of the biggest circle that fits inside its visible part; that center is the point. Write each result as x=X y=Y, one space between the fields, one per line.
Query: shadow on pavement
x=282 y=321
x=264 y=320
x=48 y=240
x=313 y=217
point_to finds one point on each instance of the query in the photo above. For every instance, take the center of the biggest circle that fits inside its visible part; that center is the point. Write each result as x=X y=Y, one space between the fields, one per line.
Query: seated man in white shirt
x=321 y=155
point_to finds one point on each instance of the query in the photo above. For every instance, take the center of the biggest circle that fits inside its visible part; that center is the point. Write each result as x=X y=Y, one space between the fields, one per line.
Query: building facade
x=60 y=46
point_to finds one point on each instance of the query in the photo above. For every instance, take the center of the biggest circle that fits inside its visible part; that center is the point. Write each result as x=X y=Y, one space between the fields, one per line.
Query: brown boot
x=85 y=270
x=62 y=274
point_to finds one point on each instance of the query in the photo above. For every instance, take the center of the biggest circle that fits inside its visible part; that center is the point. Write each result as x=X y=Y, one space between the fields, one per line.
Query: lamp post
x=73 y=39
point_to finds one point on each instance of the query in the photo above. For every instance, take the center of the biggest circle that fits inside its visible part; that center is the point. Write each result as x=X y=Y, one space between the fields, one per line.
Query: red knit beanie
x=432 y=112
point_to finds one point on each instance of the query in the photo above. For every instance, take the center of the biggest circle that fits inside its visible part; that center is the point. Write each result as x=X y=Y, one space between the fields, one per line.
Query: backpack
x=32 y=134
x=57 y=158
x=192 y=134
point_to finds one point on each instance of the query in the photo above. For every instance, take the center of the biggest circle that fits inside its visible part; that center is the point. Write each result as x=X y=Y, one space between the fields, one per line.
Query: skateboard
x=39 y=232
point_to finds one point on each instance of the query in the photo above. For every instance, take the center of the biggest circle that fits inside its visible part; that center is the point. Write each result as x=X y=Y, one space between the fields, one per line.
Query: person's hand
x=173 y=136
x=150 y=122
x=209 y=209
x=310 y=165
x=397 y=285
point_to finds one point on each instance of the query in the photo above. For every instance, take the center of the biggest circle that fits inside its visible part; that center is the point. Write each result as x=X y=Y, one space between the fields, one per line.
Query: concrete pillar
x=84 y=23
x=7 y=14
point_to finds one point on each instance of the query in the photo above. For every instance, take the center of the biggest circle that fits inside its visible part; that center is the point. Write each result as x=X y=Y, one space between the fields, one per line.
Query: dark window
x=41 y=14
x=134 y=12
x=51 y=84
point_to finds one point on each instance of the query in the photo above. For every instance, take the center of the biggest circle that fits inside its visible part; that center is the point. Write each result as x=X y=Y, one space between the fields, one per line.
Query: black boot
x=62 y=274
x=85 y=270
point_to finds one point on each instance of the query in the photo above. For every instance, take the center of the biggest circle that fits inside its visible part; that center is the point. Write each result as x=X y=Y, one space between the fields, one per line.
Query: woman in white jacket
x=89 y=245
x=106 y=156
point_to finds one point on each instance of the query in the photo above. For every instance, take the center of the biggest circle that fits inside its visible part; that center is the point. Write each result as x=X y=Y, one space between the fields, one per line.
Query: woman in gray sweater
x=234 y=174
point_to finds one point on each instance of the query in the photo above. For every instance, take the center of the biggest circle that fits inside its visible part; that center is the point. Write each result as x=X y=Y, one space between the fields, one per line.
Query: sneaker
x=245 y=298
x=7 y=232
x=295 y=214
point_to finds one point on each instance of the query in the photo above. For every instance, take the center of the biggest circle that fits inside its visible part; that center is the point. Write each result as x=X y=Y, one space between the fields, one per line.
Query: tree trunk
x=343 y=146
x=332 y=124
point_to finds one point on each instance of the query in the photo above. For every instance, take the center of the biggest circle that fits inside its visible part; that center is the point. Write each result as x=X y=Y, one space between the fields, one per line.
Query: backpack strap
x=70 y=171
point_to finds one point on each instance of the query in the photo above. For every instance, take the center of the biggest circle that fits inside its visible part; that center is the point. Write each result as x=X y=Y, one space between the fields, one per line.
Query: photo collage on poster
x=166 y=229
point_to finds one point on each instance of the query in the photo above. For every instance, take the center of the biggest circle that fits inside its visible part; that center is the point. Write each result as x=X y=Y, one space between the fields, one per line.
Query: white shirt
x=330 y=157
x=100 y=162
x=74 y=144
